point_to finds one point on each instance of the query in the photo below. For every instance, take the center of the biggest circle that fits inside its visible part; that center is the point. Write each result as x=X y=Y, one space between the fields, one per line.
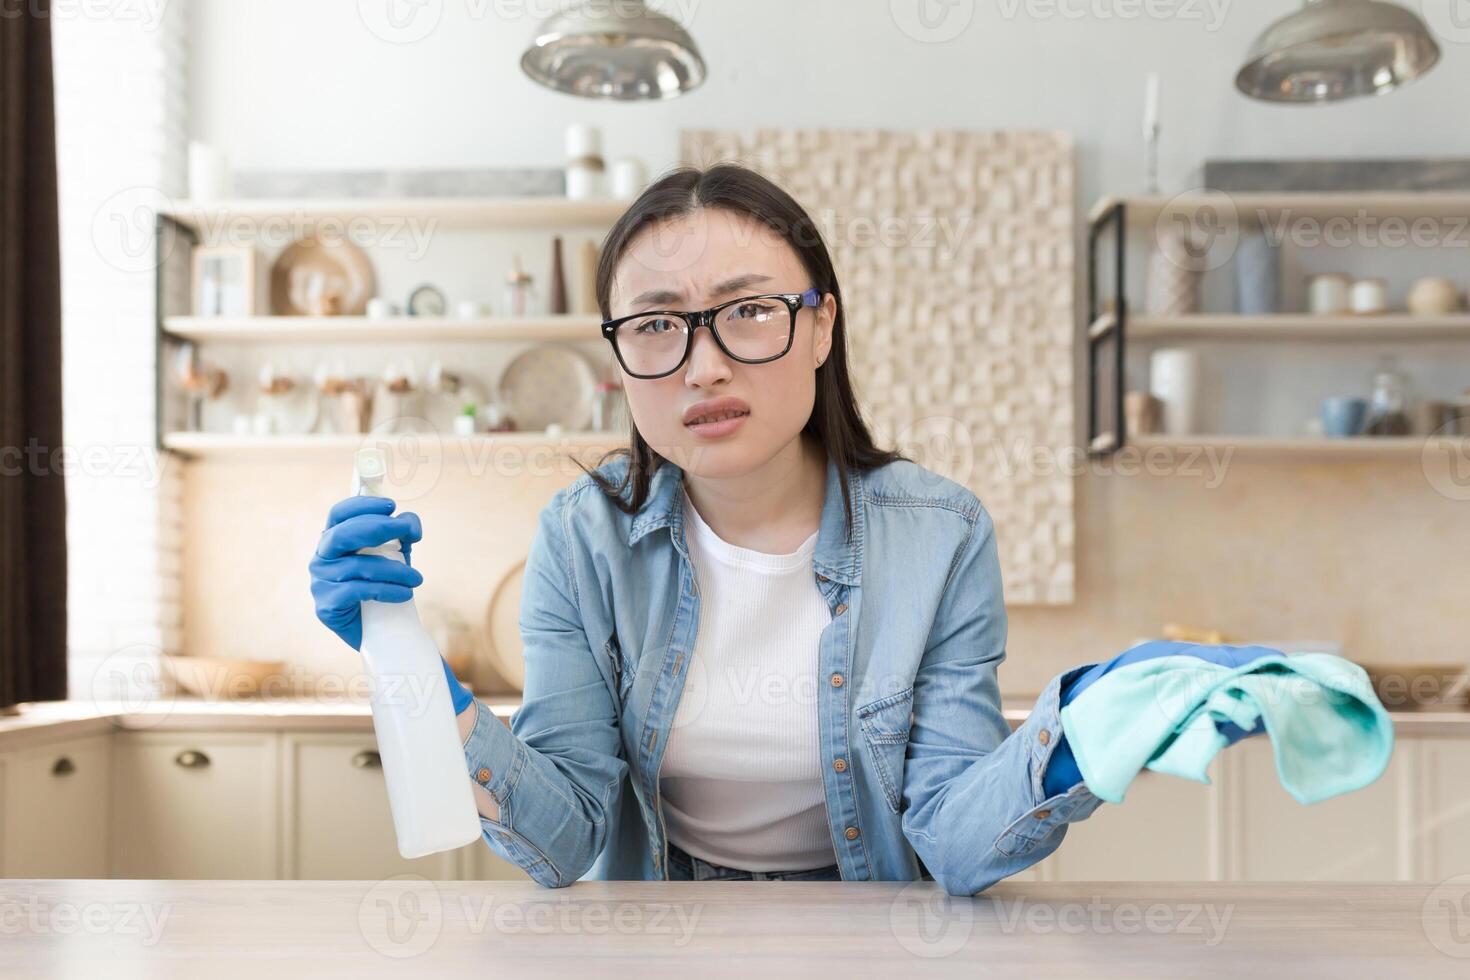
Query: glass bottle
x=1386 y=414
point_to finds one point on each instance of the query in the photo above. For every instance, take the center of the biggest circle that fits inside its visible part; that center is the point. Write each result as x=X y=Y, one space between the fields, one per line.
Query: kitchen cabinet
x=1356 y=837
x=301 y=799
x=335 y=818
x=1440 y=821
x=1413 y=822
x=195 y=805
x=54 y=809
x=1163 y=831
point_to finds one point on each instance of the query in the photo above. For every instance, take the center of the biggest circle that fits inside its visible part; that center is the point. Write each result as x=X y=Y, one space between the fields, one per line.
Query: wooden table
x=409 y=926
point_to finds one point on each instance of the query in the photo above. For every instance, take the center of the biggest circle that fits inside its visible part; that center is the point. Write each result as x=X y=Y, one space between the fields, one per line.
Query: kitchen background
x=1365 y=552
x=195 y=497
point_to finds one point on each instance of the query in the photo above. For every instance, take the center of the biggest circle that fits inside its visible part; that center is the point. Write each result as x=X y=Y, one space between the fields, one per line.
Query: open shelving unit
x=340 y=329
x=196 y=445
x=184 y=225
x=510 y=213
x=1112 y=326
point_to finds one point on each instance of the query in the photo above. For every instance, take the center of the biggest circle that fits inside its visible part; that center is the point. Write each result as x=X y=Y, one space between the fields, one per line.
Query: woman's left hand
x=1062 y=772
x=1224 y=655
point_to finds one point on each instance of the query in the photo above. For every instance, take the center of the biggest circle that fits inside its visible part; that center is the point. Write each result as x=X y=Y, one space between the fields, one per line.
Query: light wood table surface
x=409 y=926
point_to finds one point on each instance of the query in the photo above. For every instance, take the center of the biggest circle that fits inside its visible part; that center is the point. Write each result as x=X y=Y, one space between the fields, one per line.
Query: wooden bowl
x=223 y=679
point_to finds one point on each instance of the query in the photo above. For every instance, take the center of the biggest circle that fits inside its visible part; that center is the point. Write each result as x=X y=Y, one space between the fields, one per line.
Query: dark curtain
x=32 y=497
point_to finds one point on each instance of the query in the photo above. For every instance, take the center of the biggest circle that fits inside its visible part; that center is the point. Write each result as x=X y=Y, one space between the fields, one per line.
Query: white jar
x=1369 y=296
x=1327 y=294
x=584 y=162
x=1174 y=379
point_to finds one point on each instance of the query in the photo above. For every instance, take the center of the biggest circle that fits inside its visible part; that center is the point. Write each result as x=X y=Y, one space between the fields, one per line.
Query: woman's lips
x=713 y=430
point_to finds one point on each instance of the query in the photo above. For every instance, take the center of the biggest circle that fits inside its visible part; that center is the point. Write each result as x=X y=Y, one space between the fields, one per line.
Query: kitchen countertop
x=409 y=926
x=46 y=721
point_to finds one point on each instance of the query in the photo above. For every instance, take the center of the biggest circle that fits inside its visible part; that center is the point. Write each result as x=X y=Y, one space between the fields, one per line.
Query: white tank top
x=741 y=778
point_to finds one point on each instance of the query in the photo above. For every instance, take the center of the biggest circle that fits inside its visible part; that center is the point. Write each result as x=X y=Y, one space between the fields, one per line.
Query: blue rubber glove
x=1062 y=772
x=342 y=579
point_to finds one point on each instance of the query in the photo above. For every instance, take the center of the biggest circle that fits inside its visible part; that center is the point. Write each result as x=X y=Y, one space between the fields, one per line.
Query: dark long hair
x=835 y=420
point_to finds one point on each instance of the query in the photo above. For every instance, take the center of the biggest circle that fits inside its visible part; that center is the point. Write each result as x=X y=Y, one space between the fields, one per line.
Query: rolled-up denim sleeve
x=556 y=772
x=975 y=811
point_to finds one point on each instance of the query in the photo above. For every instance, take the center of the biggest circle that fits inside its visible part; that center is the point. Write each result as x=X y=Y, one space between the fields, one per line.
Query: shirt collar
x=835 y=557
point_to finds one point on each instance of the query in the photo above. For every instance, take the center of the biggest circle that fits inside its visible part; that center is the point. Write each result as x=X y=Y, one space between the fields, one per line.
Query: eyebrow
x=661 y=297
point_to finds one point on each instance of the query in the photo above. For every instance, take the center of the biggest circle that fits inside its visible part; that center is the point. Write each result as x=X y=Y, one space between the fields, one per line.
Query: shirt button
x=1043 y=736
x=836 y=680
x=841 y=608
x=840 y=765
x=483 y=775
x=821 y=577
x=1042 y=814
x=850 y=833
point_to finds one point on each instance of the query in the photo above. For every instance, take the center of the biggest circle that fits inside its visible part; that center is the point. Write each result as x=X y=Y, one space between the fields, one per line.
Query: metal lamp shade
x=1338 y=49
x=614 y=51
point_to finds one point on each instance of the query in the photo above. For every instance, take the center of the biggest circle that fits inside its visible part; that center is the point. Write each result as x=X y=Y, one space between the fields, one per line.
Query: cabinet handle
x=63 y=767
x=192 y=759
x=367 y=759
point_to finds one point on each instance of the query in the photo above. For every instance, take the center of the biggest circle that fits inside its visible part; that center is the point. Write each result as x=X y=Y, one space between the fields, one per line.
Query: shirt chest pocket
x=885 y=725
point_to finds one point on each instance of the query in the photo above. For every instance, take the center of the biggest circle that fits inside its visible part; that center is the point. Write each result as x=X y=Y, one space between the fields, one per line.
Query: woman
x=757 y=645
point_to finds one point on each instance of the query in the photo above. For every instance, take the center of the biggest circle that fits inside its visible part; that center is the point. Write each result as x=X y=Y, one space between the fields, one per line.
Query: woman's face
x=695 y=262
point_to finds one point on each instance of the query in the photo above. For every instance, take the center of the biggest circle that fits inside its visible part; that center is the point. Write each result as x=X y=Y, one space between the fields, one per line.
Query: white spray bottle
x=413 y=713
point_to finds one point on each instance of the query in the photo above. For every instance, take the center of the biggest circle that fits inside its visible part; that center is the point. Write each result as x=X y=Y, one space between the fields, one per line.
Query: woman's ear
x=826 y=318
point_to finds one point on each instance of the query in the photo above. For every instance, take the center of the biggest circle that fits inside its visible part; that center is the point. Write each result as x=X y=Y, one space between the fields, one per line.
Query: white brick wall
x=121 y=94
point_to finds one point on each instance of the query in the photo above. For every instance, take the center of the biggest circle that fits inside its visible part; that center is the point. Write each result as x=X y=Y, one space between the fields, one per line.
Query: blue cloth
x=920 y=770
x=1063 y=771
x=1328 y=730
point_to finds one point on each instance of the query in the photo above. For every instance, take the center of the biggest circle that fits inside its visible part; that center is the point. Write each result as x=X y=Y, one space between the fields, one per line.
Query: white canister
x=583 y=140
x=1327 y=294
x=1369 y=296
x=1174 y=379
x=471 y=309
x=584 y=162
x=209 y=173
x=628 y=177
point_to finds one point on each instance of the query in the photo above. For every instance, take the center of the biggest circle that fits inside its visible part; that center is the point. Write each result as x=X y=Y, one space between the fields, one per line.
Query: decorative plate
x=503 y=631
x=316 y=276
x=549 y=384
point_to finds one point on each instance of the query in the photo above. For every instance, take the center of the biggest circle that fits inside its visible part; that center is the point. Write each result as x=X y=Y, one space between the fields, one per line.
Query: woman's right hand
x=342 y=579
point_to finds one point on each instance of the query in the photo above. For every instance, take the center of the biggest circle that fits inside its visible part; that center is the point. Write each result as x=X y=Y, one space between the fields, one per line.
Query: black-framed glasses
x=751 y=329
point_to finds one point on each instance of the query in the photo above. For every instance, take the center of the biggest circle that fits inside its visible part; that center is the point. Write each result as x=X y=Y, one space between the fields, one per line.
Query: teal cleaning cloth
x=1328 y=730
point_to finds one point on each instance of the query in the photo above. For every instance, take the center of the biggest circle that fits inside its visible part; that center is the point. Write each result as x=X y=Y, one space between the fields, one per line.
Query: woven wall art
x=954 y=251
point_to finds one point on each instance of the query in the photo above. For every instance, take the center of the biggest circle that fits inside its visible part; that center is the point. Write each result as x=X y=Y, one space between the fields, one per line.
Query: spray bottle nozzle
x=369 y=466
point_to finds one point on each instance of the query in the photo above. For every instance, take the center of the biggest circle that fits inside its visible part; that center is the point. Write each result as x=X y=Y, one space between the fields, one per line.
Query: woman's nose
x=707 y=363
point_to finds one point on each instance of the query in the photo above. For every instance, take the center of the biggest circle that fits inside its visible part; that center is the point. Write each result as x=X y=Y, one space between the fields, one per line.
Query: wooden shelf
x=528 y=213
x=276 y=329
x=1387 y=327
x=1304 y=448
x=1374 y=204
x=307 y=446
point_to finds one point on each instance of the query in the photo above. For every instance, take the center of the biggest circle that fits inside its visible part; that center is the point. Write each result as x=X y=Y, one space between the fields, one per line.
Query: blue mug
x=1343 y=417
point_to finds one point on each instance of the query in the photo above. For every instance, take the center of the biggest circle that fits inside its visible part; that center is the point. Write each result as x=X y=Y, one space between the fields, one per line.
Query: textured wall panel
x=954 y=252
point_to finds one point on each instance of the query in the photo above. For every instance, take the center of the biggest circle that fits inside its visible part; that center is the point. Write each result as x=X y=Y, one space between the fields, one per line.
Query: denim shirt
x=922 y=775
